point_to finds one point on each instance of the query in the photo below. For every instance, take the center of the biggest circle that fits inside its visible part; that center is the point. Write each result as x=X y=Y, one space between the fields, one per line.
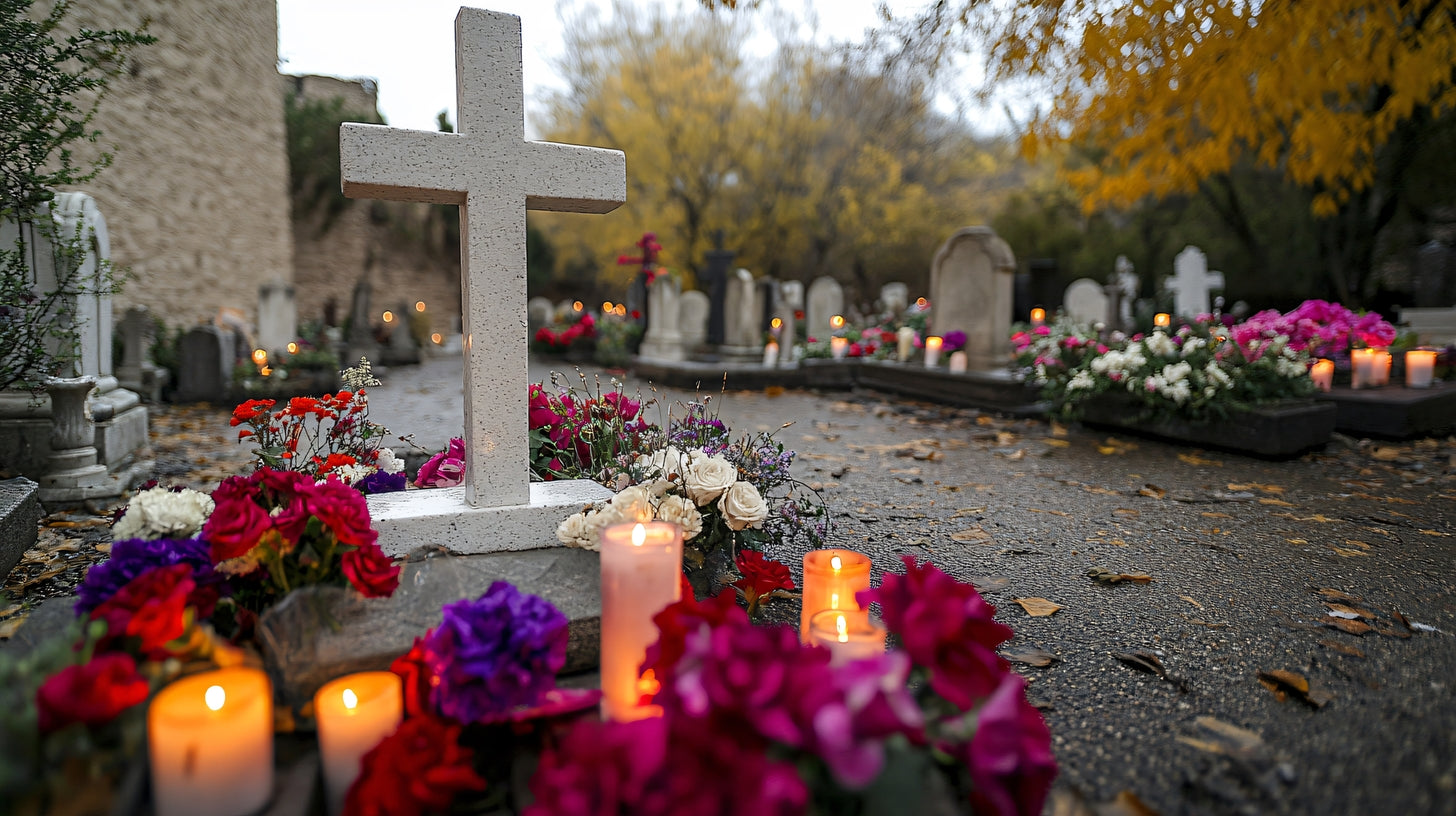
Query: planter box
x=1395 y=412
x=821 y=372
x=1276 y=431
x=691 y=375
x=999 y=391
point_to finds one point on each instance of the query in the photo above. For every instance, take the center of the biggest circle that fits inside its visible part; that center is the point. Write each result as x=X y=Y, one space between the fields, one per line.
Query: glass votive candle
x=932 y=351
x=1362 y=364
x=1162 y=320
x=354 y=714
x=1038 y=316
x=641 y=575
x=1323 y=374
x=848 y=635
x=839 y=346
x=1380 y=369
x=1420 y=368
x=833 y=579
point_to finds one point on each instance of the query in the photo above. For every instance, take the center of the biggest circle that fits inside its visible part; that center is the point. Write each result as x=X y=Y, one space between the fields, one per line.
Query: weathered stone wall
x=197 y=199
x=399 y=245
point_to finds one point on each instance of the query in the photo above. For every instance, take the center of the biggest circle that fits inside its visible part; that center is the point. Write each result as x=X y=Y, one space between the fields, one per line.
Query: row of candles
x=210 y=735
x=904 y=347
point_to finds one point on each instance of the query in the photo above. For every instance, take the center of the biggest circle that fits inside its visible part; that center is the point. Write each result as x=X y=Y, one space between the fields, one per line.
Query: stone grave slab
x=1395 y=412
x=20 y=512
x=1191 y=283
x=971 y=289
x=1274 y=431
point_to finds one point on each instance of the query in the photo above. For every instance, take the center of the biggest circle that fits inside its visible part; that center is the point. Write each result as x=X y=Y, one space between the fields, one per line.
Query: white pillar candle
x=958 y=362
x=770 y=354
x=641 y=575
x=904 y=343
x=1323 y=374
x=838 y=346
x=1420 y=368
x=932 y=351
x=848 y=635
x=354 y=714
x=210 y=739
x=1361 y=362
x=1380 y=368
x=832 y=579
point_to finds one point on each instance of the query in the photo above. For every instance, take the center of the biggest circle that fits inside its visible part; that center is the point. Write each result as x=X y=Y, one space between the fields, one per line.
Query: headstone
x=637 y=307
x=825 y=300
x=970 y=291
x=137 y=371
x=205 y=364
x=894 y=298
x=539 y=312
x=488 y=168
x=714 y=281
x=742 y=336
x=1191 y=283
x=792 y=293
x=402 y=348
x=788 y=331
x=361 y=342
x=694 y=309
x=277 y=316
x=1085 y=302
x=663 y=340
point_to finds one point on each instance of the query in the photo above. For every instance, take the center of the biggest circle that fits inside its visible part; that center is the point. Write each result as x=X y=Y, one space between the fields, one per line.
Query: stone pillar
x=72 y=472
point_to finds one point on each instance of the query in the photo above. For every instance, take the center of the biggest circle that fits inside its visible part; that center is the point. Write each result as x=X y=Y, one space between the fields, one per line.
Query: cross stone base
x=440 y=517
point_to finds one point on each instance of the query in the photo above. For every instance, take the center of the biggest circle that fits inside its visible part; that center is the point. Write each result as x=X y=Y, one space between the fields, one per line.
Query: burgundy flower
x=761 y=576
x=343 y=510
x=93 y=694
x=236 y=523
x=688 y=616
x=150 y=611
x=1010 y=756
x=626 y=408
x=946 y=627
x=444 y=469
x=371 y=572
x=599 y=769
x=420 y=768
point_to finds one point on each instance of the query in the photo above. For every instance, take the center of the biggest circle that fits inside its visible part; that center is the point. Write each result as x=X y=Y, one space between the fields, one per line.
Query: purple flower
x=381 y=482
x=953 y=340
x=132 y=557
x=491 y=655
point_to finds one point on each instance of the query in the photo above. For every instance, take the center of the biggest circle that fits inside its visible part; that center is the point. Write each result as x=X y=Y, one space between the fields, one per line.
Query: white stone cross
x=1191 y=281
x=495 y=175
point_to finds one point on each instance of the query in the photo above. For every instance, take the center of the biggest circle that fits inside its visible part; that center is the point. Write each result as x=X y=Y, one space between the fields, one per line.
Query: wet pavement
x=1331 y=572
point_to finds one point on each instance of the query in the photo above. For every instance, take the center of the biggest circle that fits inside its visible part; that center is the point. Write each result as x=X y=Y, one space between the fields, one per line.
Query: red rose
x=418 y=769
x=415 y=677
x=93 y=694
x=370 y=571
x=151 y=607
x=343 y=510
x=250 y=410
x=761 y=576
x=235 y=526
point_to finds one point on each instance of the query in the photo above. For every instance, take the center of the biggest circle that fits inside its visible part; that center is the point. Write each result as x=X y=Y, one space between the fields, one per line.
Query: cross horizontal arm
x=570 y=178
x=400 y=165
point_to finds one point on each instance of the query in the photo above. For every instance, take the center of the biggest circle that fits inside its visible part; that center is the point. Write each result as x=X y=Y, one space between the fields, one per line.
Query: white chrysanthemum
x=576 y=531
x=1290 y=369
x=388 y=462
x=1193 y=344
x=742 y=506
x=681 y=511
x=1216 y=375
x=162 y=513
x=1080 y=380
x=1177 y=372
x=352 y=474
x=668 y=463
x=708 y=477
x=1179 y=391
x=1161 y=344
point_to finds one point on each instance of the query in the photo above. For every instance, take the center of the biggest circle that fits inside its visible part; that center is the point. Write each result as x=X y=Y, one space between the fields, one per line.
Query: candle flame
x=776 y=323
x=260 y=357
x=639 y=535
x=1038 y=315
x=834 y=600
x=933 y=342
x=292 y=348
x=648 y=686
x=837 y=321
x=842 y=627
x=1162 y=319
x=576 y=306
x=351 y=700
x=214 y=697
x=836 y=563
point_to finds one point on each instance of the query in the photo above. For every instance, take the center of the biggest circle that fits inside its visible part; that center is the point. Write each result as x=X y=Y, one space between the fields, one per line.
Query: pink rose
x=444 y=469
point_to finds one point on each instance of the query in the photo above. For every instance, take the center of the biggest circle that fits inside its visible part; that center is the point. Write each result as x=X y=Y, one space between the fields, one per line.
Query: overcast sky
x=408 y=45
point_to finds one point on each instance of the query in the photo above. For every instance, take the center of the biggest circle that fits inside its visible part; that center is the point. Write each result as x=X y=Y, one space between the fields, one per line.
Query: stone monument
x=694 y=312
x=1085 y=302
x=970 y=291
x=1191 y=283
x=277 y=316
x=825 y=300
x=663 y=341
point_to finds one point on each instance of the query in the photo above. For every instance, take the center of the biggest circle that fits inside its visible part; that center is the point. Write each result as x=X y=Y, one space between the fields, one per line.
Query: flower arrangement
x=1200 y=371
x=943 y=717
x=1322 y=328
x=323 y=436
x=578 y=332
x=583 y=434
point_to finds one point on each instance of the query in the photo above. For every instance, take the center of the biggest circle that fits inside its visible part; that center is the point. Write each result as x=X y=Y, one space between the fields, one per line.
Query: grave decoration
x=574 y=332
x=880 y=340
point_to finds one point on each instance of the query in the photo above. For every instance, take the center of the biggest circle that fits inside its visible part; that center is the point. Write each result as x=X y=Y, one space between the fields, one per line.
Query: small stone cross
x=495 y=175
x=1191 y=282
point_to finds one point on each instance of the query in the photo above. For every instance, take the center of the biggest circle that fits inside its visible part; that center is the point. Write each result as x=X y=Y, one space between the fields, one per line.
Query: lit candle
x=211 y=744
x=905 y=343
x=1038 y=316
x=1162 y=320
x=1362 y=362
x=641 y=575
x=770 y=354
x=775 y=326
x=836 y=322
x=354 y=714
x=1420 y=368
x=1380 y=368
x=839 y=346
x=1323 y=374
x=832 y=578
x=932 y=351
x=847 y=635
x=958 y=362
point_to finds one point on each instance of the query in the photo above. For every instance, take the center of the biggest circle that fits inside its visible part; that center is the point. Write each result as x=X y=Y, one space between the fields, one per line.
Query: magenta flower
x=444 y=469
x=1010 y=756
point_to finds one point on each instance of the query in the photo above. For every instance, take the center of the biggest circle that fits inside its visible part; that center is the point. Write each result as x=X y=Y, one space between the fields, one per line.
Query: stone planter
x=827 y=373
x=997 y=390
x=1278 y=430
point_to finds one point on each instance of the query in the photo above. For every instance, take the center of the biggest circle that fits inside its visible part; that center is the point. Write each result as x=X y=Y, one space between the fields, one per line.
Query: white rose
x=668 y=463
x=388 y=462
x=633 y=504
x=162 y=513
x=742 y=506
x=708 y=477
x=681 y=511
x=576 y=531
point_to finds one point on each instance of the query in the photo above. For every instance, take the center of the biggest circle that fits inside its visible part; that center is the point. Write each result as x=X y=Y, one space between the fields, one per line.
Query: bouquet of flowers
x=943 y=719
x=325 y=436
x=584 y=434
x=561 y=338
x=1322 y=328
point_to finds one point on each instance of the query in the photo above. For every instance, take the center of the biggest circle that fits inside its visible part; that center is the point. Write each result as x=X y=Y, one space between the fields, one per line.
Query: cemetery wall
x=197 y=198
x=388 y=241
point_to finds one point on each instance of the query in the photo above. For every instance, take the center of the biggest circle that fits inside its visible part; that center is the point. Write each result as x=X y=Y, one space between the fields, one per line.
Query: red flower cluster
x=311 y=434
x=584 y=329
x=565 y=419
x=761 y=576
x=150 y=611
x=420 y=768
x=92 y=694
x=276 y=510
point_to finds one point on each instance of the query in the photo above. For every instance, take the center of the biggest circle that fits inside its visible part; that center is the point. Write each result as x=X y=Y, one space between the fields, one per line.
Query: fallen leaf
x=1297 y=540
x=1119 y=542
x=1216 y=515
x=1353 y=627
x=1277 y=503
x=1107 y=576
x=1015 y=456
x=1194 y=459
x=1346 y=552
x=1052 y=512
x=1123 y=511
x=1266 y=488
x=1152 y=491
x=773 y=391
x=1190 y=600
x=1040 y=658
x=1287 y=683
x=1037 y=607
x=8 y=628
x=972 y=535
x=1433 y=533
x=1386 y=454
x=990 y=583
x=1342 y=648
x=1058 y=443
x=1353 y=611
x=1058 y=429
x=985 y=420
x=1149 y=662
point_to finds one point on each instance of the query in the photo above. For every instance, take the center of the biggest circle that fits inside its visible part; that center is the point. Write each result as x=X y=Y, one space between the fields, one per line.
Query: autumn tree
x=1170 y=97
